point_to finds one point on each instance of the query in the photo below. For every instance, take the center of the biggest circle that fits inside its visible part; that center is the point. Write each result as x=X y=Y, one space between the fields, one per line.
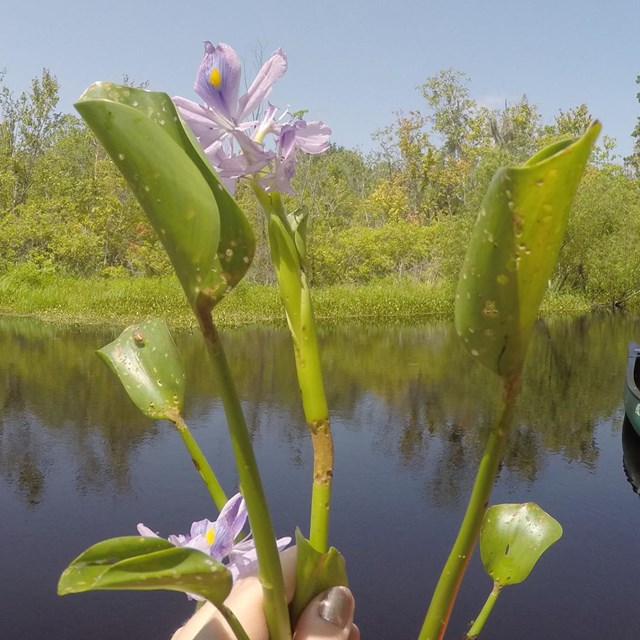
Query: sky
x=351 y=63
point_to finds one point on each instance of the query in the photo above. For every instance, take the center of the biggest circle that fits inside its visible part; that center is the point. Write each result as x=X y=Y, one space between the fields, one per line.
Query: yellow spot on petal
x=211 y=536
x=215 y=77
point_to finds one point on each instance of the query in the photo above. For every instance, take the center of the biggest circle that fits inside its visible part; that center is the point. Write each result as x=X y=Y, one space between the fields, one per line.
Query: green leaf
x=513 y=251
x=142 y=564
x=145 y=359
x=315 y=572
x=513 y=538
x=204 y=232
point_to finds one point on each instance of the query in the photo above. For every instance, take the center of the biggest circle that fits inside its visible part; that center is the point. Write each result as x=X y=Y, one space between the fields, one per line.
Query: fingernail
x=337 y=607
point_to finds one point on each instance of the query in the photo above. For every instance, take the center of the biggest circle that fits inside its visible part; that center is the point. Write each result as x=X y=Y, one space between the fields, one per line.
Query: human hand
x=329 y=616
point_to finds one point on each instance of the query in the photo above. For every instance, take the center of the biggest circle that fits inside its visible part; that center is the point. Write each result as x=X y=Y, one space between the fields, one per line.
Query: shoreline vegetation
x=122 y=301
x=387 y=230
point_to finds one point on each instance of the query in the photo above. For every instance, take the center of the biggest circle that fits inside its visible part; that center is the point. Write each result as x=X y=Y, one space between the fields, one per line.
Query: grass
x=121 y=301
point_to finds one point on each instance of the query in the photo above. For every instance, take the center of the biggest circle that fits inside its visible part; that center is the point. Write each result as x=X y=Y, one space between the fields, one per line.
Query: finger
x=328 y=616
x=245 y=600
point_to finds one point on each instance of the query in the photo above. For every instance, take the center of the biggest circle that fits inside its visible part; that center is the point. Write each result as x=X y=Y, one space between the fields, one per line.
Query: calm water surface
x=78 y=463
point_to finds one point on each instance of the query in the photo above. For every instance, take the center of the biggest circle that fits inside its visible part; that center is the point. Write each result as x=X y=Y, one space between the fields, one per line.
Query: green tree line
x=404 y=210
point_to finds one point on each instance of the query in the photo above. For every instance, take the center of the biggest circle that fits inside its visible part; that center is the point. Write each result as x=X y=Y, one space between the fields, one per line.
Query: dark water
x=78 y=463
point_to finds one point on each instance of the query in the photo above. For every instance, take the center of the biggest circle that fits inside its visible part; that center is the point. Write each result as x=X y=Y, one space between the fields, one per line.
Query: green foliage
x=65 y=208
x=76 y=214
x=145 y=359
x=513 y=538
x=140 y=564
x=359 y=254
x=600 y=255
x=28 y=127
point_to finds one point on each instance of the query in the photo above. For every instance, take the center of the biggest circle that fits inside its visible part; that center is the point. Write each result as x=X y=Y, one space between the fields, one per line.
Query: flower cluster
x=233 y=137
x=217 y=539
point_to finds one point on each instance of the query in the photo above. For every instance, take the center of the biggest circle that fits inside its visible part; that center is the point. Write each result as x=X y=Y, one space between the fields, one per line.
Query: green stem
x=269 y=568
x=233 y=622
x=296 y=298
x=201 y=464
x=316 y=411
x=446 y=590
x=478 y=623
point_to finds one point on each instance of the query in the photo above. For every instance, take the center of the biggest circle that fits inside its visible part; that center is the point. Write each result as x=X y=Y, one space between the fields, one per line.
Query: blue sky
x=352 y=63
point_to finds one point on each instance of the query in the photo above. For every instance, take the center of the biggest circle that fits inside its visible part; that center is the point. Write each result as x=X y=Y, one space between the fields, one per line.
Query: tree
x=454 y=111
x=28 y=125
x=633 y=161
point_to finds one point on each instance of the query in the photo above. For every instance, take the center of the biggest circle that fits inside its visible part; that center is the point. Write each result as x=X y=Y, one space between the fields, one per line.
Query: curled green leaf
x=145 y=359
x=513 y=251
x=513 y=538
x=204 y=232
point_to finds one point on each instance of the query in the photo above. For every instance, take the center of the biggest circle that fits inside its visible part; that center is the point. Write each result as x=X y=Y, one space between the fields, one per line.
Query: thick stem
x=309 y=371
x=201 y=464
x=446 y=590
x=478 y=623
x=270 y=570
x=316 y=411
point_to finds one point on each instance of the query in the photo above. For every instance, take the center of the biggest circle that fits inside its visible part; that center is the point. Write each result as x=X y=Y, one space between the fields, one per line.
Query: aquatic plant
x=182 y=160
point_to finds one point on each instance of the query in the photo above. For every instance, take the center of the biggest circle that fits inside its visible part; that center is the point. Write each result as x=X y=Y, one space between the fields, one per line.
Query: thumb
x=328 y=616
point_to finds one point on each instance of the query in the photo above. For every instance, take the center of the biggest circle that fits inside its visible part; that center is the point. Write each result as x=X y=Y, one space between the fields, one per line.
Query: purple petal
x=312 y=137
x=200 y=527
x=273 y=69
x=178 y=540
x=253 y=158
x=228 y=525
x=200 y=121
x=218 y=79
x=200 y=543
x=285 y=165
x=253 y=151
x=243 y=558
x=145 y=532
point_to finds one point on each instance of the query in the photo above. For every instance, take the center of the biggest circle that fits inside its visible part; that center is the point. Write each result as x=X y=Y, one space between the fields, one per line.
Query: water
x=78 y=463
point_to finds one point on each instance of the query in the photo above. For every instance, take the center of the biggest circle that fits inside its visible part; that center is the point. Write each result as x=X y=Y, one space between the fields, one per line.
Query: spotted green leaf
x=145 y=359
x=315 y=572
x=204 y=232
x=513 y=538
x=513 y=252
x=138 y=563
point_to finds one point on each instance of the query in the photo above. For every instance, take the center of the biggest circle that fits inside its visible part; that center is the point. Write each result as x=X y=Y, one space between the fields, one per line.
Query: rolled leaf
x=142 y=564
x=145 y=359
x=298 y=222
x=286 y=261
x=513 y=251
x=315 y=572
x=204 y=232
x=513 y=538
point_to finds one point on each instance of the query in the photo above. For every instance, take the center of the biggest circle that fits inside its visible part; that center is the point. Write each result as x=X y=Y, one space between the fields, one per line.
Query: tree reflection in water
x=407 y=387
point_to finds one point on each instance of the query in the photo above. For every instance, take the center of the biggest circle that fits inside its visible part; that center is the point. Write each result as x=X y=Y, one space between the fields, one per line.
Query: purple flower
x=217 y=539
x=233 y=142
x=309 y=137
